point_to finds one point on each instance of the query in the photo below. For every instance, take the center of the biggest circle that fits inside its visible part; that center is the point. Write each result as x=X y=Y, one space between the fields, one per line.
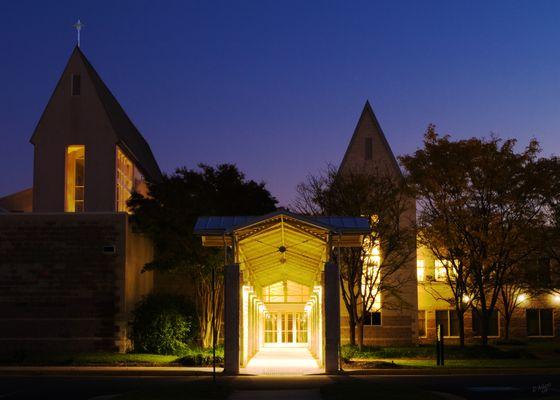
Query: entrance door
x=285 y=329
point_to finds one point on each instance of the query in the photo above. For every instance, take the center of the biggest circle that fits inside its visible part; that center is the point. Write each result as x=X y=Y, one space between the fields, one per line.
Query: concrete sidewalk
x=206 y=371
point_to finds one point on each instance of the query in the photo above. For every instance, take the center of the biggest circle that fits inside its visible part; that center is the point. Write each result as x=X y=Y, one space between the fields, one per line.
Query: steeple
x=73 y=108
x=368 y=147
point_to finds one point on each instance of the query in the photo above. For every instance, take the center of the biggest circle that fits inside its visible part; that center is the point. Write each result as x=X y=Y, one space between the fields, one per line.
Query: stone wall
x=62 y=281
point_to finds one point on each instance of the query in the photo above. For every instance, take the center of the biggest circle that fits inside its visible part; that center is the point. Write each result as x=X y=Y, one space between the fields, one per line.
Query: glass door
x=285 y=328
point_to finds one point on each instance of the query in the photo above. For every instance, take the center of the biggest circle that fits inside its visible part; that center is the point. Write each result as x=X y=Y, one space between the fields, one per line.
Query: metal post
x=439 y=345
x=213 y=324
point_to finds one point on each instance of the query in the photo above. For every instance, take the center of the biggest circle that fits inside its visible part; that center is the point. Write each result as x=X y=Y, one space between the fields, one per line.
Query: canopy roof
x=228 y=224
x=282 y=245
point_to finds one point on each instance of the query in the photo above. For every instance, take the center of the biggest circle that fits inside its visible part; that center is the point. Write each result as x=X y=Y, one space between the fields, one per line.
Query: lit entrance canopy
x=282 y=245
x=281 y=285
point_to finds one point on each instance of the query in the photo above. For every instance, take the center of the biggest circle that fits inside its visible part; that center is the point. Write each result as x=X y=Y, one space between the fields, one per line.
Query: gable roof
x=129 y=138
x=367 y=111
x=220 y=225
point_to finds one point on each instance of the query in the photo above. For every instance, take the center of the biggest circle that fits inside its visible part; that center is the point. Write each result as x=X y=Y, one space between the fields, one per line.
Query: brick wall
x=60 y=286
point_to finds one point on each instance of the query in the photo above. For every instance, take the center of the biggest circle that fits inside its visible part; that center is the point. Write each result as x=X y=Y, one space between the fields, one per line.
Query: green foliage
x=163 y=324
x=169 y=213
x=429 y=352
x=199 y=357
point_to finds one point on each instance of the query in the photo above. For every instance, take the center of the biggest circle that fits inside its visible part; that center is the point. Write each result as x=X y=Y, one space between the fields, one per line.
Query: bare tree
x=376 y=270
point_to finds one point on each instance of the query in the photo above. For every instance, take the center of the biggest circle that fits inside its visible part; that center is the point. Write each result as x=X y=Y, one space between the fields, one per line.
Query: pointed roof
x=367 y=111
x=129 y=138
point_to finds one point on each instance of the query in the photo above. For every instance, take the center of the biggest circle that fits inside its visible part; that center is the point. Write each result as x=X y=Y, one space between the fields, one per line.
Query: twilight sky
x=277 y=86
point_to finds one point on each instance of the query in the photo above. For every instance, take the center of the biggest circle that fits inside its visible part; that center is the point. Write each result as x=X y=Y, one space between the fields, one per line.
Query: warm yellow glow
x=556 y=298
x=466 y=298
x=371 y=275
x=286 y=292
x=441 y=269
x=75 y=178
x=521 y=298
x=420 y=270
x=124 y=179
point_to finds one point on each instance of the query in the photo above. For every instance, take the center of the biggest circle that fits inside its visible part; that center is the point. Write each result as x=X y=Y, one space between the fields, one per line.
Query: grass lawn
x=192 y=357
x=533 y=355
x=89 y=359
x=472 y=363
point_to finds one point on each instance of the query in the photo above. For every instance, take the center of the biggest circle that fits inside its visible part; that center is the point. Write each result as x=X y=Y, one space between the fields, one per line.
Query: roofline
x=119 y=141
x=278 y=213
x=259 y=219
x=369 y=109
x=32 y=138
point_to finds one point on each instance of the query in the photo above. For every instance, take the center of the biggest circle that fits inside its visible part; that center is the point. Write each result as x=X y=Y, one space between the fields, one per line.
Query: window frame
x=540 y=335
x=490 y=336
x=420 y=266
x=370 y=315
x=449 y=311
x=66 y=206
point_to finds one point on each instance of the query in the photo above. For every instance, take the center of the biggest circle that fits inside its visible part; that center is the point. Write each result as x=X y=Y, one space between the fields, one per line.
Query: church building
x=70 y=261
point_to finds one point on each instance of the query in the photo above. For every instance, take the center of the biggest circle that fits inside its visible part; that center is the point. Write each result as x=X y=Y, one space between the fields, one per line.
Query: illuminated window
x=75 y=178
x=286 y=292
x=422 y=323
x=441 y=270
x=420 y=270
x=371 y=275
x=125 y=180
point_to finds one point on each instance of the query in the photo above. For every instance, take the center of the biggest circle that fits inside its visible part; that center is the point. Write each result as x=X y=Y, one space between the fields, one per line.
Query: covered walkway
x=282 y=361
x=281 y=289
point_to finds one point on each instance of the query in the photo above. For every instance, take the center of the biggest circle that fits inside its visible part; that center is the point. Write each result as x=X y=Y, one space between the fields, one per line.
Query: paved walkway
x=312 y=394
x=282 y=361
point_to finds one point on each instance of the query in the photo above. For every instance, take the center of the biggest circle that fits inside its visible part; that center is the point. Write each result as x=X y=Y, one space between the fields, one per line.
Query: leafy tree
x=168 y=215
x=364 y=275
x=478 y=199
x=547 y=276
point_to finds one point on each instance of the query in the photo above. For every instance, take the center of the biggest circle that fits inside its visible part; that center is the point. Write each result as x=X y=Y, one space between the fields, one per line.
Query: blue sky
x=277 y=86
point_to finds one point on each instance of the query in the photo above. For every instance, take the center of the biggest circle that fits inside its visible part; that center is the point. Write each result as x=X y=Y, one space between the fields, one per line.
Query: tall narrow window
x=76 y=85
x=420 y=270
x=75 y=178
x=369 y=148
x=124 y=179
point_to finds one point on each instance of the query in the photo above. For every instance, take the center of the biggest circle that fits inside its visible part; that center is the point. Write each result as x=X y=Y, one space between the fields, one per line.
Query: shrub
x=162 y=324
x=199 y=357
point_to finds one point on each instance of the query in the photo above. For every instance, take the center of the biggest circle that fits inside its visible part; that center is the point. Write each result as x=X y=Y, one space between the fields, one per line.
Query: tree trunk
x=360 y=335
x=507 y=319
x=484 y=328
x=352 y=330
x=461 y=318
